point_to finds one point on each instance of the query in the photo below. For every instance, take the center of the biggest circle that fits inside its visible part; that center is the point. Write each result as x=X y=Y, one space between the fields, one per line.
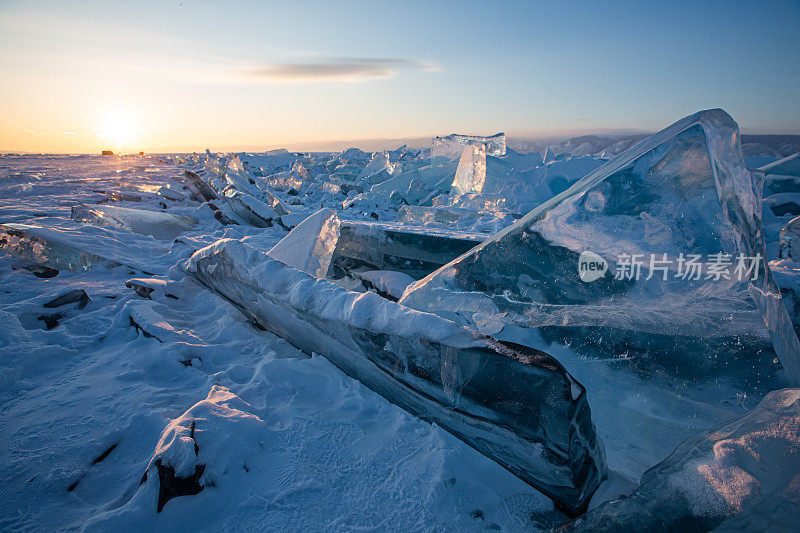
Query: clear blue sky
x=170 y=75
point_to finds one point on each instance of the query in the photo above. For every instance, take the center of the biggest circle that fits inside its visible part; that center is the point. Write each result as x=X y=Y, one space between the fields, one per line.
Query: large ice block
x=516 y=405
x=157 y=224
x=451 y=146
x=669 y=239
x=741 y=476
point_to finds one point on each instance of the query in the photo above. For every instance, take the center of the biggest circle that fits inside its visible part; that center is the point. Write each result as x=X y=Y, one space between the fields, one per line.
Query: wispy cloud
x=336 y=69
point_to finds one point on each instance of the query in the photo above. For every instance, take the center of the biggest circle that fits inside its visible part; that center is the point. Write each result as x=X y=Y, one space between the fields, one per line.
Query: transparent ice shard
x=482 y=203
x=452 y=146
x=516 y=405
x=680 y=193
x=525 y=190
x=284 y=180
x=309 y=246
x=157 y=224
x=237 y=177
x=229 y=177
x=273 y=201
x=170 y=193
x=742 y=476
x=471 y=171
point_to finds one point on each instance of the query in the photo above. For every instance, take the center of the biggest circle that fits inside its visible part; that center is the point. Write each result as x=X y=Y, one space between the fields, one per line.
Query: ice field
x=404 y=339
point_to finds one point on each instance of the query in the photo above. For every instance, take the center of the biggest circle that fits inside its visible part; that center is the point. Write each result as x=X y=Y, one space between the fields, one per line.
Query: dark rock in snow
x=41 y=271
x=171 y=486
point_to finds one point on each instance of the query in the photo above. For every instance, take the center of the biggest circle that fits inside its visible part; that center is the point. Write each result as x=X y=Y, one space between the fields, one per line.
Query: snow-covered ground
x=97 y=397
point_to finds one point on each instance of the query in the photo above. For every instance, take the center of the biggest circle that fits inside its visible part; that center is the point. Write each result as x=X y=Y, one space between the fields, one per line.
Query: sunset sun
x=118 y=128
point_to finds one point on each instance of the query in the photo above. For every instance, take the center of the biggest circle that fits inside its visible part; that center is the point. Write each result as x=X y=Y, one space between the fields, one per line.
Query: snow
x=389 y=282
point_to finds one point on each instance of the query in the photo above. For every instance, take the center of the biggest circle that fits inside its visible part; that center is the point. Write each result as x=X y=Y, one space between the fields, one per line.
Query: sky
x=78 y=77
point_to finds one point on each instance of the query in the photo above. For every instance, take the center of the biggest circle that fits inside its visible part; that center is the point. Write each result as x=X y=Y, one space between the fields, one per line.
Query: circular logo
x=591 y=266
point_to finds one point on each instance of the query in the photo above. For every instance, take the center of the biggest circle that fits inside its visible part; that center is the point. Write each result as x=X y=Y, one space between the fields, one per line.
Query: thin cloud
x=339 y=69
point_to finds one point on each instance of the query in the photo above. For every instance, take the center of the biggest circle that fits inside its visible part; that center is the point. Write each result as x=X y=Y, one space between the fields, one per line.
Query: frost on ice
x=682 y=192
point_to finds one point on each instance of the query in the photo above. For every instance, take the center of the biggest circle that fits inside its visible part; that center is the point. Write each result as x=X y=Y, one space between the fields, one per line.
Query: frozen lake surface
x=148 y=366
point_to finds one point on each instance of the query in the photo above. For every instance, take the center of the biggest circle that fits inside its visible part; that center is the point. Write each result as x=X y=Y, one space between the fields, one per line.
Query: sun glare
x=118 y=128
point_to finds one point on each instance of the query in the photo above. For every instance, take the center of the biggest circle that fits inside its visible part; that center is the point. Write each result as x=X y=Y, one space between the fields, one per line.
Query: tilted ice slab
x=451 y=146
x=788 y=166
x=682 y=191
x=743 y=475
x=154 y=223
x=515 y=405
